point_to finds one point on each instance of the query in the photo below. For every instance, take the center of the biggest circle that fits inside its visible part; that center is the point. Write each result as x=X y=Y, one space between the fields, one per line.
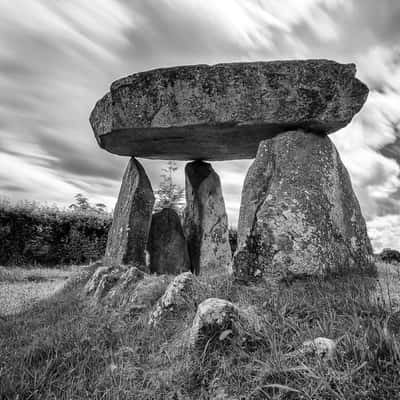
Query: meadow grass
x=67 y=348
x=14 y=274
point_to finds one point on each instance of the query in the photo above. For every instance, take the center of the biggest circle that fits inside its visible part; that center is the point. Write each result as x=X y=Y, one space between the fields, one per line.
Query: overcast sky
x=58 y=57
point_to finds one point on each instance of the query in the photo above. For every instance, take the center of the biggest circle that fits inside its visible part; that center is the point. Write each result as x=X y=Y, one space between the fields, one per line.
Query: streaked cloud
x=57 y=58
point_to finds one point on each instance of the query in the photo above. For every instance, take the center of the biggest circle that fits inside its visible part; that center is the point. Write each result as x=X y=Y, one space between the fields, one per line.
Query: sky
x=58 y=57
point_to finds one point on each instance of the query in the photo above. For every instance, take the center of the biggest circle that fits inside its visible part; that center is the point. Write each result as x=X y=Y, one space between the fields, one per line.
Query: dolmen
x=299 y=215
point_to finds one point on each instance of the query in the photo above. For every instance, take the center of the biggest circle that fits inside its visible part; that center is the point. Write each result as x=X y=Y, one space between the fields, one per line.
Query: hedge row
x=49 y=236
x=34 y=234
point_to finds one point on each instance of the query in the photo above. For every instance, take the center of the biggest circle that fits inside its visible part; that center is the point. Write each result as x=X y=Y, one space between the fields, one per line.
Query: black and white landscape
x=199 y=200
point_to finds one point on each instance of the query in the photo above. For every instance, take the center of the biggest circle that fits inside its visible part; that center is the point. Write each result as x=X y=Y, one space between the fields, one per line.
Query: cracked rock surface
x=126 y=286
x=181 y=294
x=128 y=235
x=299 y=215
x=223 y=111
x=213 y=317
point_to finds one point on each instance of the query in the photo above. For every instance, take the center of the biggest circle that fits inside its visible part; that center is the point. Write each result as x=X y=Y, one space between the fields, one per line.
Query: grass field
x=20 y=287
x=66 y=348
x=34 y=274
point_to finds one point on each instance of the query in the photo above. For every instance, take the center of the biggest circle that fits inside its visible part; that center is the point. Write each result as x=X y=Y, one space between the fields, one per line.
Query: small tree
x=82 y=204
x=169 y=194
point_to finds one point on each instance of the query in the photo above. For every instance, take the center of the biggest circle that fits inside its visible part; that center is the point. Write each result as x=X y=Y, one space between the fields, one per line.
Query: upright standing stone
x=299 y=215
x=128 y=235
x=206 y=221
x=167 y=244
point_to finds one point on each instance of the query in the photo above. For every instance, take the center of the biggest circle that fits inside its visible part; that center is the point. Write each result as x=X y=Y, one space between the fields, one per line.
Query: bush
x=36 y=234
x=389 y=256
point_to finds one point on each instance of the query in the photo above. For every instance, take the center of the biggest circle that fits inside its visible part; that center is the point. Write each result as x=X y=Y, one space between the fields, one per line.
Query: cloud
x=375 y=178
x=385 y=232
x=368 y=145
x=58 y=58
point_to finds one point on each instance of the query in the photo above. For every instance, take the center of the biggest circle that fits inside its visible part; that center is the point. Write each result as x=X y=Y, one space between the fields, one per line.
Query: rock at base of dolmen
x=222 y=112
x=140 y=296
x=127 y=239
x=167 y=244
x=181 y=295
x=214 y=317
x=206 y=221
x=299 y=215
x=102 y=281
x=127 y=287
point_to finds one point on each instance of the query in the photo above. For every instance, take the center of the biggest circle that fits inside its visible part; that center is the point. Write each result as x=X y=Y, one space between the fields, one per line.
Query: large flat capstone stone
x=222 y=112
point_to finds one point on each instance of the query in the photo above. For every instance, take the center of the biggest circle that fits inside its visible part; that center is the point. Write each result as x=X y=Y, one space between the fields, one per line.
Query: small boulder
x=213 y=317
x=126 y=284
x=147 y=292
x=93 y=283
x=181 y=294
x=107 y=282
x=167 y=244
x=322 y=347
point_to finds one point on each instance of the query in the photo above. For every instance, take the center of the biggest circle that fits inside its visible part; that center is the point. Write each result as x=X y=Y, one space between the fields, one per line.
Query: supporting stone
x=167 y=244
x=128 y=235
x=299 y=215
x=206 y=221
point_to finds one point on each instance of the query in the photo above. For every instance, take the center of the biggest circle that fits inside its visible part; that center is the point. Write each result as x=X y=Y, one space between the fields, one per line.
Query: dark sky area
x=58 y=57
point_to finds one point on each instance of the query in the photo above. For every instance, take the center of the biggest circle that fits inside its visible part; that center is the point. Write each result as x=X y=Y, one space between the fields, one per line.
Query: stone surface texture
x=321 y=346
x=206 y=221
x=127 y=239
x=93 y=283
x=214 y=316
x=121 y=292
x=107 y=282
x=167 y=244
x=299 y=215
x=222 y=112
x=126 y=286
x=146 y=293
x=181 y=294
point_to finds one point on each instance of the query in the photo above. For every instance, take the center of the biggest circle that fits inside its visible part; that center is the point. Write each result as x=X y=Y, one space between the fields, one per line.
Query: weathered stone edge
x=102 y=106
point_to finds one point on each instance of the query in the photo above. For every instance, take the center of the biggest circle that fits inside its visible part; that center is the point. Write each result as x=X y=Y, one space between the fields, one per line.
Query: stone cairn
x=299 y=215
